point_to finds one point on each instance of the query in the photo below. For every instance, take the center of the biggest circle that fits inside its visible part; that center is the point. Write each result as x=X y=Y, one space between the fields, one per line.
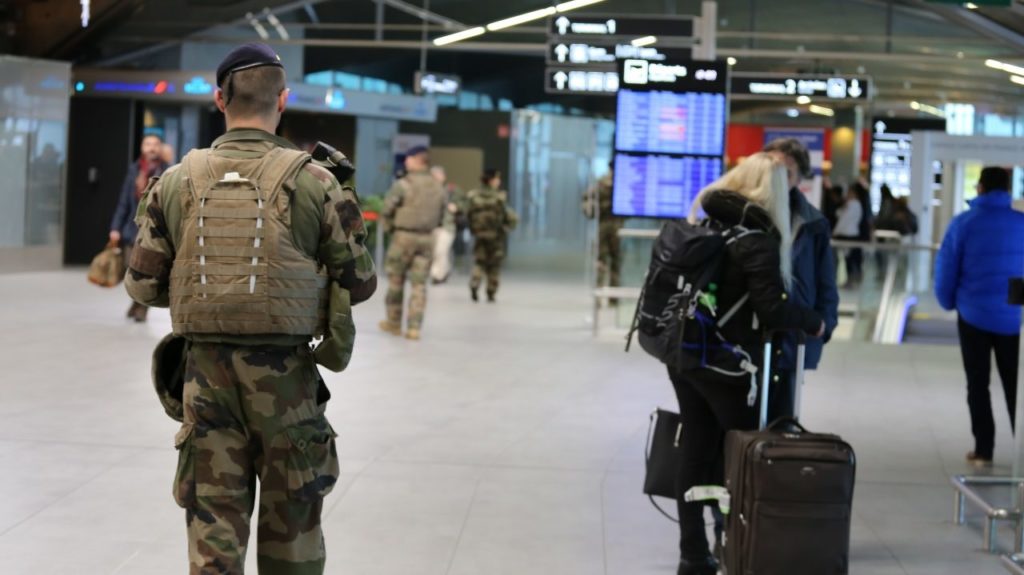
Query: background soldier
x=243 y=241
x=598 y=202
x=490 y=221
x=413 y=209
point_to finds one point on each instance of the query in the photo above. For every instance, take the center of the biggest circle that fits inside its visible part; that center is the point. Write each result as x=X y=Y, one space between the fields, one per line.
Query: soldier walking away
x=597 y=202
x=122 y=226
x=413 y=209
x=243 y=241
x=490 y=221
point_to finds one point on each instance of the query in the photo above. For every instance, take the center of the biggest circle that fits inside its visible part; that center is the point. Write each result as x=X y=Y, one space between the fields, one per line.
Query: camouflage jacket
x=598 y=201
x=326 y=224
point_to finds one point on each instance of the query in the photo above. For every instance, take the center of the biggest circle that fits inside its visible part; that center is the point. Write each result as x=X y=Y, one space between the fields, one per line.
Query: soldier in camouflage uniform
x=413 y=209
x=490 y=221
x=598 y=202
x=242 y=241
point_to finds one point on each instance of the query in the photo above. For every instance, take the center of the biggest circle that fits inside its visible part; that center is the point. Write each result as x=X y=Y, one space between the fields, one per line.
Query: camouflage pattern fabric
x=251 y=413
x=409 y=257
x=488 y=255
x=609 y=257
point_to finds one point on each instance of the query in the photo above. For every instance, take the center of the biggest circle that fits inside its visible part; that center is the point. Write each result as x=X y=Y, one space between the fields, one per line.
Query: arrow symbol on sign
x=562 y=52
x=563 y=25
x=855 y=90
x=880 y=127
x=560 y=79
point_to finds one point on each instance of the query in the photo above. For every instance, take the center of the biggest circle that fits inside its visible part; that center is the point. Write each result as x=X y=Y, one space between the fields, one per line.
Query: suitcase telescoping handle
x=766 y=375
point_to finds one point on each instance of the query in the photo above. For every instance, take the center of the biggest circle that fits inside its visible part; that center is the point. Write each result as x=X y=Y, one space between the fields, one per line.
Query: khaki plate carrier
x=237 y=270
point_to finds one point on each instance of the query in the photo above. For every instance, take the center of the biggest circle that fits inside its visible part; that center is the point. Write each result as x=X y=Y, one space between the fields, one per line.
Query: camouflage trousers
x=251 y=413
x=409 y=257
x=609 y=256
x=488 y=255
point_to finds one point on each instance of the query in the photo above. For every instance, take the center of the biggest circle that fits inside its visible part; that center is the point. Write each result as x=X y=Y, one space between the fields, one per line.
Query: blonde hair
x=762 y=180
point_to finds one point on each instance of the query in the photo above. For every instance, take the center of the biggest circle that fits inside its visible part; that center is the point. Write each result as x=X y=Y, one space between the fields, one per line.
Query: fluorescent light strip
x=971 y=6
x=574 y=4
x=1005 y=67
x=821 y=110
x=521 y=19
x=459 y=36
x=803 y=100
x=645 y=41
x=927 y=109
x=1017 y=80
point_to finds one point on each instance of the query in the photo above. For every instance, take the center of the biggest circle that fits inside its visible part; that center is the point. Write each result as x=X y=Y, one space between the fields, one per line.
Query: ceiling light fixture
x=1017 y=80
x=1004 y=67
x=460 y=36
x=645 y=41
x=522 y=19
x=514 y=21
x=970 y=5
x=255 y=23
x=731 y=61
x=793 y=113
x=803 y=100
x=927 y=109
x=821 y=110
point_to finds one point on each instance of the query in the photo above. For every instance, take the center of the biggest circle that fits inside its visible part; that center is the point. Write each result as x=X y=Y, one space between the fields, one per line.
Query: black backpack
x=676 y=319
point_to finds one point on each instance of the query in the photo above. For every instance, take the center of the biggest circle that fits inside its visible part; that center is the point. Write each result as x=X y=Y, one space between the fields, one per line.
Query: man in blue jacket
x=814 y=277
x=122 y=226
x=982 y=250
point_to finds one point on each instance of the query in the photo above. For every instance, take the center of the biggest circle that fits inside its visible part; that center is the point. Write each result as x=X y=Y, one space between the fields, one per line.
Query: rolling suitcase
x=791 y=493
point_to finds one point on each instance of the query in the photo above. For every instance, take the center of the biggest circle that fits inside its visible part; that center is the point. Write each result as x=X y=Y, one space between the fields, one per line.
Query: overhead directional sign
x=776 y=86
x=616 y=25
x=433 y=83
x=579 y=53
x=582 y=81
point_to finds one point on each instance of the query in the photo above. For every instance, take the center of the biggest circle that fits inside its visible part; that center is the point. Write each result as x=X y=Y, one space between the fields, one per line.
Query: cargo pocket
x=312 y=465
x=185 y=477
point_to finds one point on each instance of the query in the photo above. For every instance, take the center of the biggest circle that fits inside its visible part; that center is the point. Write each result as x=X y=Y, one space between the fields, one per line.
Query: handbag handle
x=786 y=420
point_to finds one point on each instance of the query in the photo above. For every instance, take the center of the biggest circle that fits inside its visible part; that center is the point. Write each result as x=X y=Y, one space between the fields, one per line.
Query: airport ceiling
x=931 y=51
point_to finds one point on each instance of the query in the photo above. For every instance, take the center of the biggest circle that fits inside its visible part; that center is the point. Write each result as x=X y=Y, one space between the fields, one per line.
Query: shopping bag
x=108 y=267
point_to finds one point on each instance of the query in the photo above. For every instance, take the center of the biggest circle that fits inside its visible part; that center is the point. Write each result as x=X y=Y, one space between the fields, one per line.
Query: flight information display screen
x=661 y=186
x=671 y=123
x=670 y=131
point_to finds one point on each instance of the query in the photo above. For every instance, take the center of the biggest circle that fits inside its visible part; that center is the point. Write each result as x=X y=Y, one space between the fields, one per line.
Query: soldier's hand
x=115 y=237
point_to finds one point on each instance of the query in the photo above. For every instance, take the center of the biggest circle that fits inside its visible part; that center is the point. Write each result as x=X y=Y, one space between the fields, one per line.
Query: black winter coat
x=752 y=266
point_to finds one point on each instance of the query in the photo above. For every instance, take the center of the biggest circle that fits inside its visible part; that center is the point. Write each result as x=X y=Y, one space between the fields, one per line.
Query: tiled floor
x=508 y=441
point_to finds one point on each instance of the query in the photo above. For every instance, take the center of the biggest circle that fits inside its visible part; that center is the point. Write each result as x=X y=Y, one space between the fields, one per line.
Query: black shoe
x=490 y=298
x=706 y=567
x=473 y=294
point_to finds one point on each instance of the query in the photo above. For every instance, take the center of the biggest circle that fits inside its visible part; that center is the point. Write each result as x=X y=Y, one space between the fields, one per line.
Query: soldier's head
x=491 y=178
x=417 y=159
x=151 y=146
x=793 y=154
x=251 y=90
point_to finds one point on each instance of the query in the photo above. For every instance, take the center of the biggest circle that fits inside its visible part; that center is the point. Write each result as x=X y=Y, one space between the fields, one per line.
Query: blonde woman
x=755 y=196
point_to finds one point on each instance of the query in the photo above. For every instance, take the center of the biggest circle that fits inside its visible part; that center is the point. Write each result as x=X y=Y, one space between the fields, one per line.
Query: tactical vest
x=486 y=214
x=237 y=270
x=604 y=200
x=423 y=204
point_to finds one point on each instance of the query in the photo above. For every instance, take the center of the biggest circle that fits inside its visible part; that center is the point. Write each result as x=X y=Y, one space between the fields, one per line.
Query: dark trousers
x=708 y=407
x=977 y=346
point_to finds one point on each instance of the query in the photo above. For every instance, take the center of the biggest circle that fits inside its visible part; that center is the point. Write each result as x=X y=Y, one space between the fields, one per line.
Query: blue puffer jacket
x=814 y=279
x=982 y=250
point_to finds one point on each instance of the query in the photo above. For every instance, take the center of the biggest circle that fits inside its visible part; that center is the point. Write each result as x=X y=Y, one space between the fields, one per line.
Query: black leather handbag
x=662 y=456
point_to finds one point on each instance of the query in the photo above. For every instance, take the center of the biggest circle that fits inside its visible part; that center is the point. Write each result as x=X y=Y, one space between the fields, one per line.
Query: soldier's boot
x=474 y=292
x=413 y=334
x=490 y=297
x=389 y=327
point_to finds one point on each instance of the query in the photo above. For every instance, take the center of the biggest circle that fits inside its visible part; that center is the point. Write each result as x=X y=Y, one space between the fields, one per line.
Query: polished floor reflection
x=507 y=442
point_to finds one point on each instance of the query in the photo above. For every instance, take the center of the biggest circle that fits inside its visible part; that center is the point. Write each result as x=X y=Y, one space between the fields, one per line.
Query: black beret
x=416 y=150
x=245 y=57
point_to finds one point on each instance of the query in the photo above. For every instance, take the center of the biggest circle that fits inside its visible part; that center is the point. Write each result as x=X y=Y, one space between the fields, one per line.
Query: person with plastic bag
x=754 y=277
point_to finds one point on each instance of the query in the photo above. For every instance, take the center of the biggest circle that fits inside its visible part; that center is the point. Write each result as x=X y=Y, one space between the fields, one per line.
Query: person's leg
x=479 y=264
x=976 y=350
x=1007 y=349
x=495 y=255
x=699 y=444
x=215 y=481
x=419 y=273
x=396 y=264
x=295 y=456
